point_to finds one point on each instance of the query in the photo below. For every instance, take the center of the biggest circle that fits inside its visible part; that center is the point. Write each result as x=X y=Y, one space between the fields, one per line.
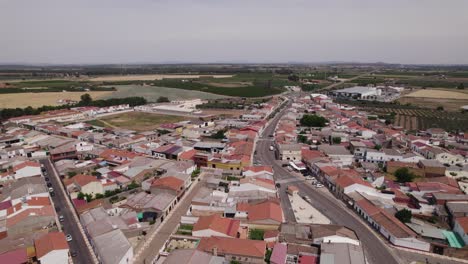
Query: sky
x=239 y=31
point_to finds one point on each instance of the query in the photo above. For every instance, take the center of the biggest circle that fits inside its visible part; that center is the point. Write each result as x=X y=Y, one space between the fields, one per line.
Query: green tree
x=404 y=175
x=81 y=196
x=302 y=139
x=268 y=255
x=71 y=174
x=99 y=196
x=256 y=234
x=378 y=147
x=293 y=78
x=440 y=108
x=461 y=86
x=336 y=140
x=219 y=134
x=86 y=99
x=404 y=215
x=313 y=121
x=162 y=99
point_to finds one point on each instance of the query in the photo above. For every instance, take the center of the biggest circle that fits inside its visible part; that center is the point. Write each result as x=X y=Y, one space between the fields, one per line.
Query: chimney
x=215 y=251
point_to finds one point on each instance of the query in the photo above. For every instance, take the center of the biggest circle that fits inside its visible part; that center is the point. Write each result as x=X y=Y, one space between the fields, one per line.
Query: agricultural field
x=152 y=93
x=137 y=121
x=450 y=100
x=13 y=100
x=151 y=77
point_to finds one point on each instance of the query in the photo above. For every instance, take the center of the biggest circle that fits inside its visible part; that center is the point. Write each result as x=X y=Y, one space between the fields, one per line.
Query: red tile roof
x=17 y=256
x=345 y=181
x=170 y=182
x=47 y=210
x=188 y=155
x=259 y=168
x=26 y=164
x=81 y=180
x=233 y=246
x=50 y=242
x=38 y=201
x=265 y=210
x=219 y=224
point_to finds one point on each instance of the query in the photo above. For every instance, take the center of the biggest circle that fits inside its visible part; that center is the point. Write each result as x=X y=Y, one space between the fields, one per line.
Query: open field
x=223 y=112
x=450 y=100
x=14 y=100
x=151 y=77
x=137 y=121
x=439 y=94
x=152 y=93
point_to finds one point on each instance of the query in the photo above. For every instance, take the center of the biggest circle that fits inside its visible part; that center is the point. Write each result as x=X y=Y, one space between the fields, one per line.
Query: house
x=437 y=133
x=86 y=184
x=289 y=152
x=170 y=184
x=442 y=198
x=338 y=153
x=17 y=256
x=215 y=225
x=192 y=256
x=27 y=169
x=346 y=184
x=341 y=253
x=254 y=171
x=461 y=228
x=52 y=248
x=234 y=249
x=170 y=151
x=432 y=168
x=152 y=207
x=266 y=215
x=279 y=253
x=253 y=189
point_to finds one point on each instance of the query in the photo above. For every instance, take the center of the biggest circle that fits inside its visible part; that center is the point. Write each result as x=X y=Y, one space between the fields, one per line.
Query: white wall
x=55 y=257
x=411 y=242
x=207 y=233
x=28 y=172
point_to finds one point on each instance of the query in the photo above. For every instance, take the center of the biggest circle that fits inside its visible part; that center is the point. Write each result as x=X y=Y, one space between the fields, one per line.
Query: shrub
x=404 y=175
x=256 y=234
x=404 y=215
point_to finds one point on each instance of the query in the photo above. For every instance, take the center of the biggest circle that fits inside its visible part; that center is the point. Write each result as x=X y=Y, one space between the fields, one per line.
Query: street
x=375 y=249
x=69 y=225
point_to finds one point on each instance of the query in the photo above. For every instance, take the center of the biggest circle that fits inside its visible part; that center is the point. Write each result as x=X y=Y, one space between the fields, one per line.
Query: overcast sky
x=158 y=31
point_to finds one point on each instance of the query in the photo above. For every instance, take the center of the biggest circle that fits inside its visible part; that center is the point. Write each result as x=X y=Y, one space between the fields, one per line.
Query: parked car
x=272 y=148
x=278 y=185
x=319 y=185
x=52 y=194
x=69 y=238
x=73 y=254
x=49 y=184
x=47 y=179
x=51 y=190
x=61 y=218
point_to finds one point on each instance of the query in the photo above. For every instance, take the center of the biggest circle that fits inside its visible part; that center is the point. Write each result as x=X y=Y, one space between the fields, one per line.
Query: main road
x=375 y=249
x=69 y=225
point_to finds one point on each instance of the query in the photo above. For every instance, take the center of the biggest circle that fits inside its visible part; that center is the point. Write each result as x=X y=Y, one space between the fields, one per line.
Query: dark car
x=278 y=185
x=49 y=184
x=47 y=179
x=73 y=254
x=52 y=194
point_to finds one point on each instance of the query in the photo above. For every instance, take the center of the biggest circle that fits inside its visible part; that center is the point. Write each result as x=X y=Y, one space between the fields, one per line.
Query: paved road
x=167 y=227
x=376 y=250
x=69 y=225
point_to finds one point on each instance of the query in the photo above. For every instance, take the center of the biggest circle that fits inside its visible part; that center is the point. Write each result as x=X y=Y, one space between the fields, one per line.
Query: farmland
x=412 y=117
x=152 y=77
x=13 y=100
x=450 y=100
x=137 y=121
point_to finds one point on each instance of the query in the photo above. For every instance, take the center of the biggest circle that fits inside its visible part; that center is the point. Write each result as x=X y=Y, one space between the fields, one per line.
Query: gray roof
x=112 y=246
x=355 y=89
x=290 y=147
x=431 y=163
x=23 y=187
x=334 y=150
x=458 y=207
x=427 y=231
x=343 y=253
x=217 y=145
x=449 y=196
x=192 y=256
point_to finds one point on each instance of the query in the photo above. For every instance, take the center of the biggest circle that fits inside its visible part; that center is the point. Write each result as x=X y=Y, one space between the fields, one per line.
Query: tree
x=268 y=256
x=440 y=108
x=302 y=139
x=71 y=174
x=86 y=99
x=81 y=196
x=219 y=134
x=461 y=86
x=88 y=197
x=378 y=147
x=99 y=196
x=293 y=78
x=162 y=99
x=336 y=140
x=404 y=175
x=404 y=215
x=256 y=234
x=313 y=121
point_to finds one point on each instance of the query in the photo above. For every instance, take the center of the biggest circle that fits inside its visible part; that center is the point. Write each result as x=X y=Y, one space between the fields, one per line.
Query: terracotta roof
x=233 y=246
x=463 y=222
x=5 y=205
x=26 y=164
x=37 y=201
x=188 y=155
x=368 y=207
x=50 y=242
x=345 y=181
x=265 y=210
x=393 y=225
x=169 y=182
x=17 y=256
x=81 y=180
x=219 y=224
x=47 y=210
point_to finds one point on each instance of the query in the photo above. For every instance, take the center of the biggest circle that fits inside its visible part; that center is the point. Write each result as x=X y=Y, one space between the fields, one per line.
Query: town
x=297 y=178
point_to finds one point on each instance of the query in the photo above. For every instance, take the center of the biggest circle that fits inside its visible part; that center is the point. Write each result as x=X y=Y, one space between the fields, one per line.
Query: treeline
x=86 y=100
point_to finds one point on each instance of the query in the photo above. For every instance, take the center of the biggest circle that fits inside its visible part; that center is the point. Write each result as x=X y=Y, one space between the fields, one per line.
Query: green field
x=137 y=121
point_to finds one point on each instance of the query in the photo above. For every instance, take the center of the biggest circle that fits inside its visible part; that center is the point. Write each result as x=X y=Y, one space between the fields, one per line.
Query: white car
x=51 y=189
x=272 y=148
x=319 y=185
x=61 y=218
x=69 y=238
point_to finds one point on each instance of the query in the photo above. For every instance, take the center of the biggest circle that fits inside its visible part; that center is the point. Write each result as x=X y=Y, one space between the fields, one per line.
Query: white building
x=52 y=248
x=27 y=169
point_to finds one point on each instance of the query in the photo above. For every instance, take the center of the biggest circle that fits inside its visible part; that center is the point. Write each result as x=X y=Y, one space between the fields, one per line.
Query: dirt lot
x=440 y=94
x=151 y=77
x=39 y=99
x=137 y=121
x=223 y=112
